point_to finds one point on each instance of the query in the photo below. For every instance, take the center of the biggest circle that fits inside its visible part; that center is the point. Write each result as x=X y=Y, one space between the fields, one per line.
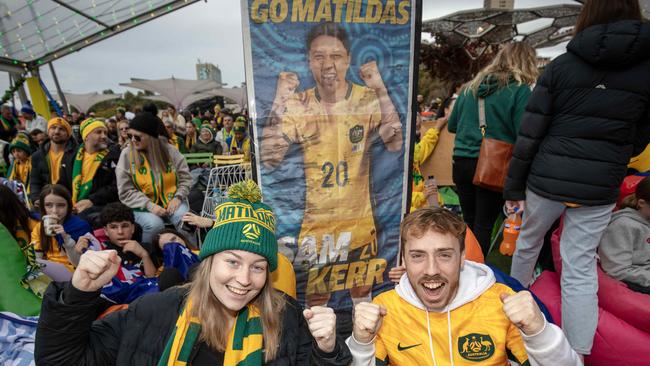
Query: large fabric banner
x=329 y=83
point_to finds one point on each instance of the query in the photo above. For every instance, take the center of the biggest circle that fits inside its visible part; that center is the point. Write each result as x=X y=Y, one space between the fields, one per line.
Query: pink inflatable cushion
x=613 y=295
x=616 y=342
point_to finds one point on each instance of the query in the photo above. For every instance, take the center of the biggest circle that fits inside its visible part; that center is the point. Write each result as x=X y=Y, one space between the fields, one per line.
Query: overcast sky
x=170 y=45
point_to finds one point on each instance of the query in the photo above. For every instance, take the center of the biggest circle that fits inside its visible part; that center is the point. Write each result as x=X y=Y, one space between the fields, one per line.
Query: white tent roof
x=83 y=102
x=174 y=91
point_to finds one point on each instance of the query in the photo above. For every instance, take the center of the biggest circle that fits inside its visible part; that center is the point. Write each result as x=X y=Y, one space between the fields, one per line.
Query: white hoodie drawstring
x=433 y=355
x=451 y=355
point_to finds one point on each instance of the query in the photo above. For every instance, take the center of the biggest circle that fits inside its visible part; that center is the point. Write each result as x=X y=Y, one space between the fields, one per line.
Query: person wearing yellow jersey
x=239 y=142
x=423 y=149
x=56 y=242
x=454 y=311
x=91 y=176
x=21 y=168
x=53 y=155
x=153 y=178
x=335 y=123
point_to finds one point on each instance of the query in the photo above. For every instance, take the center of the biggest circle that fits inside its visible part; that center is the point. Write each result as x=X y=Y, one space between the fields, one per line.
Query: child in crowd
x=176 y=260
x=21 y=167
x=624 y=250
x=55 y=236
x=137 y=267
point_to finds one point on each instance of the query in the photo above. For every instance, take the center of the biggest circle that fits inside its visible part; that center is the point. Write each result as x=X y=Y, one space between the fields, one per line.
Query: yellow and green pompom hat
x=243 y=222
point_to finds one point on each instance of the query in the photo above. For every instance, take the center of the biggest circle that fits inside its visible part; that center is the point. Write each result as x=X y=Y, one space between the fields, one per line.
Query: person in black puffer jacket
x=588 y=114
x=229 y=315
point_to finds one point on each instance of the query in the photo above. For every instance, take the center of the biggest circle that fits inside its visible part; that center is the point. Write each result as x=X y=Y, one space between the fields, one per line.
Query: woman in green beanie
x=206 y=142
x=229 y=315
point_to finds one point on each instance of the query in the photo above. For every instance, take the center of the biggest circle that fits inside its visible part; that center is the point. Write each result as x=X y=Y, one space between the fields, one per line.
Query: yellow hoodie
x=473 y=330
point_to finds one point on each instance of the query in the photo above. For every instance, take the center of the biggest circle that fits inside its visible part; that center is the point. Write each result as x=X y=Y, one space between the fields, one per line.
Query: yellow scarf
x=33 y=280
x=190 y=140
x=21 y=172
x=173 y=139
x=83 y=171
x=161 y=189
x=245 y=339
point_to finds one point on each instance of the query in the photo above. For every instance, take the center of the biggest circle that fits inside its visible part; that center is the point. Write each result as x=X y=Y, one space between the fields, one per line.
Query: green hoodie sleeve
x=452 y=122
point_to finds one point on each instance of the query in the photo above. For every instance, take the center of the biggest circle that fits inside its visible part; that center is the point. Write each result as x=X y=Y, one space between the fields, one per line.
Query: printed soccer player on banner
x=331 y=84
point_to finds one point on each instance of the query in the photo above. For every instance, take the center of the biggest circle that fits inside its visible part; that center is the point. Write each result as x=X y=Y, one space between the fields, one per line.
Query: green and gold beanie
x=21 y=141
x=239 y=125
x=243 y=222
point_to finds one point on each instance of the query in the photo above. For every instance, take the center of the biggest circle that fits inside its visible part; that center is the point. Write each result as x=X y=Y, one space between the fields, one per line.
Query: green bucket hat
x=21 y=141
x=243 y=223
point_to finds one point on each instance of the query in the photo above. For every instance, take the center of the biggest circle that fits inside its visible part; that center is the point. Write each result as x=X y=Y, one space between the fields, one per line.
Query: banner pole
x=417 y=39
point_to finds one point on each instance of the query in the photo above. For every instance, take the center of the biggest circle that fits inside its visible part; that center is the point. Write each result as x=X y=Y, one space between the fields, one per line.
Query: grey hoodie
x=625 y=247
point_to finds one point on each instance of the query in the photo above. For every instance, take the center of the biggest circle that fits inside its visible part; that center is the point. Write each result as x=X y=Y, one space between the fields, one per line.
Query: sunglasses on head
x=134 y=137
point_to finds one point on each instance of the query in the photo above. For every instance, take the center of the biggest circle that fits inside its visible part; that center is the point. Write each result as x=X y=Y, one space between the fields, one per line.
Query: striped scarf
x=21 y=172
x=159 y=188
x=82 y=181
x=245 y=340
x=8 y=125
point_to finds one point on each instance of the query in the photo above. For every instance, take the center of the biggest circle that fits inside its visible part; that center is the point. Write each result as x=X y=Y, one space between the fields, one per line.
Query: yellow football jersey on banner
x=480 y=333
x=335 y=138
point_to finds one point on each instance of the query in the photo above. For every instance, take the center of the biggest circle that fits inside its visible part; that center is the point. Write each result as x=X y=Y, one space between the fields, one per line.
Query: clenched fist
x=523 y=312
x=367 y=321
x=287 y=84
x=95 y=270
x=322 y=326
x=371 y=77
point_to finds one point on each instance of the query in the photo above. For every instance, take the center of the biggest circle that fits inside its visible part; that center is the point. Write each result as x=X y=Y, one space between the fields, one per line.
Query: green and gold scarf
x=33 y=280
x=8 y=125
x=82 y=181
x=245 y=340
x=161 y=190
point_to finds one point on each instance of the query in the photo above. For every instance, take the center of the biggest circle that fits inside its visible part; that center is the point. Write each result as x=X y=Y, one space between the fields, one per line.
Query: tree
x=447 y=59
x=108 y=91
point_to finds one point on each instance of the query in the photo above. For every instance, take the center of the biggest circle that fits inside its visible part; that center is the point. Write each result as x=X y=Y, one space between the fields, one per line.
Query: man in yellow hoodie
x=449 y=311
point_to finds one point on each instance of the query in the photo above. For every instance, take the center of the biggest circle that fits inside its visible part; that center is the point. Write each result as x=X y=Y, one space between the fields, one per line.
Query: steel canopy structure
x=36 y=32
x=479 y=28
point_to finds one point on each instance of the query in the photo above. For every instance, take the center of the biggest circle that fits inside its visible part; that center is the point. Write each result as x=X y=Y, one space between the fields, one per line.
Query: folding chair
x=228 y=159
x=199 y=159
x=221 y=178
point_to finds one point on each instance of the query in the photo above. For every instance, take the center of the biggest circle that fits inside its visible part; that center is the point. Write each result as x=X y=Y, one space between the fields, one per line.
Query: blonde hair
x=515 y=60
x=642 y=192
x=157 y=154
x=213 y=315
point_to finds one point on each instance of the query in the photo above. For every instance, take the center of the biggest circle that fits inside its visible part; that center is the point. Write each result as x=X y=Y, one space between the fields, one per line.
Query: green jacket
x=503 y=108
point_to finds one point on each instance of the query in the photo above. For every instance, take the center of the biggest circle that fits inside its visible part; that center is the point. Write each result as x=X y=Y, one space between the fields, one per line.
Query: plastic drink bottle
x=511 y=229
x=433 y=199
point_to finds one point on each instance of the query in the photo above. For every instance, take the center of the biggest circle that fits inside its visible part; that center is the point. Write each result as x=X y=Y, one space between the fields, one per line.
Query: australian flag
x=176 y=255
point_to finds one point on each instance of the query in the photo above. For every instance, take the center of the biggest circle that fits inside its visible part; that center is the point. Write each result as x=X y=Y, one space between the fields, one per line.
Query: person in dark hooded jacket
x=505 y=85
x=588 y=114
